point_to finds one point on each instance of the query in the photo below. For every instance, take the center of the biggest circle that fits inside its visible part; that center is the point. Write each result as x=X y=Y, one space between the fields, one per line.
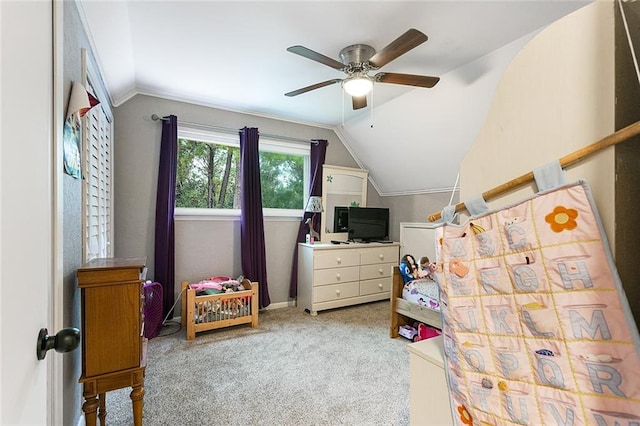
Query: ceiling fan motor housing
x=357 y=60
x=357 y=55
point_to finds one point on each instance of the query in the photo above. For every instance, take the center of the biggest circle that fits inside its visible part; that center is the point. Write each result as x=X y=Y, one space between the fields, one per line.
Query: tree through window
x=209 y=172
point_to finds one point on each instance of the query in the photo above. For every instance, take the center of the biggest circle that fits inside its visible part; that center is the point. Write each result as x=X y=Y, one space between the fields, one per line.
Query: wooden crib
x=208 y=312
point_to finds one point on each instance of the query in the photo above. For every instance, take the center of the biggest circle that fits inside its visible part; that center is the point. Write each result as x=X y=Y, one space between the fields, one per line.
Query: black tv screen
x=368 y=223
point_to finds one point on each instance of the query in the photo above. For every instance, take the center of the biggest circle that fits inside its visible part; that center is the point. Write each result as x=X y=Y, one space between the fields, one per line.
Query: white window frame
x=97 y=170
x=266 y=145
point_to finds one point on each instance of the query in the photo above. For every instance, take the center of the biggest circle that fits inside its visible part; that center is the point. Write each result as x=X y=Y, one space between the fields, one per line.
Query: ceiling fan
x=358 y=59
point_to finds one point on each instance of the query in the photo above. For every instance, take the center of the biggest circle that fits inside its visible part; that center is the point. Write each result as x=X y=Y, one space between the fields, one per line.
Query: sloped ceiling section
x=420 y=152
x=232 y=55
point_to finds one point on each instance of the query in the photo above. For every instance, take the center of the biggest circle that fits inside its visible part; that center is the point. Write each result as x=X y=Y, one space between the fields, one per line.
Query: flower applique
x=562 y=218
x=465 y=416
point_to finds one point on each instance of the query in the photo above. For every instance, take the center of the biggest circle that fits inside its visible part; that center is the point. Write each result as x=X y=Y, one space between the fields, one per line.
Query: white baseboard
x=288 y=304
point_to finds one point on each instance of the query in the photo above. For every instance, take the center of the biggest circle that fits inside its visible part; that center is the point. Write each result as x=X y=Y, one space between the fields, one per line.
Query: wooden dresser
x=113 y=346
x=331 y=276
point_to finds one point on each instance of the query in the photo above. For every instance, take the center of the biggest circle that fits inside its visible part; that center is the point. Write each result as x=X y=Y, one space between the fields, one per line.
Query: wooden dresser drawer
x=328 y=293
x=379 y=255
x=368 y=272
x=335 y=275
x=335 y=258
x=380 y=285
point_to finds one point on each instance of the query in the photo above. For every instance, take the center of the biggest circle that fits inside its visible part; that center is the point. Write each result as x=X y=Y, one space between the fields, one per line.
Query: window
x=208 y=179
x=97 y=134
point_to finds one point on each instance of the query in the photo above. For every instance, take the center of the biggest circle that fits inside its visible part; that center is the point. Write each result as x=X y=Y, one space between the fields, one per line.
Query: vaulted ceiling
x=233 y=55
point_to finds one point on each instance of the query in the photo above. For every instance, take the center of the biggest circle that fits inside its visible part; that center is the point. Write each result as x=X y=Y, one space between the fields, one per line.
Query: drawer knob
x=380 y=271
x=380 y=285
x=338 y=292
x=381 y=256
x=338 y=277
x=339 y=260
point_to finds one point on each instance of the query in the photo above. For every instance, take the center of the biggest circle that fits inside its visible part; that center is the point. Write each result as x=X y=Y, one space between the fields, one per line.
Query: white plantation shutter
x=97 y=154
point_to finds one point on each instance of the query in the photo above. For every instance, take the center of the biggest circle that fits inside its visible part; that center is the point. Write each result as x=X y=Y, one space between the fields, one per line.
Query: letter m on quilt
x=536 y=327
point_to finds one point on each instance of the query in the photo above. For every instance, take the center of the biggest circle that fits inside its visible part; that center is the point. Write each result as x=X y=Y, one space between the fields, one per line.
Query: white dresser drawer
x=368 y=272
x=335 y=258
x=380 y=285
x=379 y=255
x=335 y=275
x=328 y=293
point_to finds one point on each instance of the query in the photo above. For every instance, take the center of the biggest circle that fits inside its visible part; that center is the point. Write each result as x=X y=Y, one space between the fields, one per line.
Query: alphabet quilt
x=536 y=326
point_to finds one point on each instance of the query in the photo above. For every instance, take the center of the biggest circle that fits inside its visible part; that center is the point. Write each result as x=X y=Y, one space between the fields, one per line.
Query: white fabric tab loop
x=448 y=213
x=549 y=176
x=476 y=205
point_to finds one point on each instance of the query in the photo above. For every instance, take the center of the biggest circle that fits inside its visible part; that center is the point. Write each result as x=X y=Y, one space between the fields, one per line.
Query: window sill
x=182 y=213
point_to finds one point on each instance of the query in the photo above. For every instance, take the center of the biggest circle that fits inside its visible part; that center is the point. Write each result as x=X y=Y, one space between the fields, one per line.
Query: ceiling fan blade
x=359 y=102
x=399 y=46
x=315 y=56
x=313 y=87
x=406 y=79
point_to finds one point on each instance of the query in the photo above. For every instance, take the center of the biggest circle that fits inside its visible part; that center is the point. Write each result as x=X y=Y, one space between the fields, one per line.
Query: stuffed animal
x=408 y=268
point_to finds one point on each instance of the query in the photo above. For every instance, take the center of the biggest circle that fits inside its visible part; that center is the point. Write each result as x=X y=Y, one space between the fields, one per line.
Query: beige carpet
x=338 y=368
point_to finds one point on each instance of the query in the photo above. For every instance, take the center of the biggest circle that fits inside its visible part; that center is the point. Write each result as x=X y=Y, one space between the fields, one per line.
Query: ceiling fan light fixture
x=358 y=85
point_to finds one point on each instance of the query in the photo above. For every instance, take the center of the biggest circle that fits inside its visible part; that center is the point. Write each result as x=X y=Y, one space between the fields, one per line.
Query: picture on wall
x=80 y=102
x=71 y=143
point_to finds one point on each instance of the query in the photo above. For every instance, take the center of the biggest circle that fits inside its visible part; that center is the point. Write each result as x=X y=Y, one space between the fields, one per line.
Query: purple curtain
x=317 y=156
x=164 y=262
x=254 y=263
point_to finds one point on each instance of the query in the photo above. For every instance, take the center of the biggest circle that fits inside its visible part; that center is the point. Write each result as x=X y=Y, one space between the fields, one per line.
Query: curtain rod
x=155 y=117
x=613 y=139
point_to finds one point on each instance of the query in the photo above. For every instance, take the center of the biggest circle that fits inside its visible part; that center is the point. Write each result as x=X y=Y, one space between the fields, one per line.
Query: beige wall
x=555 y=97
x=204 y=246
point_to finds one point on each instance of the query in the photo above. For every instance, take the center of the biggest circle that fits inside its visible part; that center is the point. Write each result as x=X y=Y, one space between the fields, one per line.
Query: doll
x=426 y=268
x=408 y=268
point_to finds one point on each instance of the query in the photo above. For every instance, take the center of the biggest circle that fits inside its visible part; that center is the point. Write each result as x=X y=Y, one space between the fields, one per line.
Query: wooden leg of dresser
x=137 y=398
x=102 y=409
x=90 y=407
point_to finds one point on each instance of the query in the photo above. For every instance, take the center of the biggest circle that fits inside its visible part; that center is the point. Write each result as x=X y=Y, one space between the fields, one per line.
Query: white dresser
x=335 y=275
x=429 y=393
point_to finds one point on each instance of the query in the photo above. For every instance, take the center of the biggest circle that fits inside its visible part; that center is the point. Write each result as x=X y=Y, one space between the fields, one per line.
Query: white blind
x=97 y=152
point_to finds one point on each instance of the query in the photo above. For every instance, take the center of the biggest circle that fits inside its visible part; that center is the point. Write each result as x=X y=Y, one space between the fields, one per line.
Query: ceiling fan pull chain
x=342 y=108
x=372 y=105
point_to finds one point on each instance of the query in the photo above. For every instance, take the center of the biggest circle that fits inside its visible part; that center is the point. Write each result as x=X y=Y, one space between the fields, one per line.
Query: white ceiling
x=232 y=55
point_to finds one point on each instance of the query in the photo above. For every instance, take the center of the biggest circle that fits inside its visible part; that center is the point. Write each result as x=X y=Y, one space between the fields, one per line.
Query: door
x=31 y=390
x=627 y=188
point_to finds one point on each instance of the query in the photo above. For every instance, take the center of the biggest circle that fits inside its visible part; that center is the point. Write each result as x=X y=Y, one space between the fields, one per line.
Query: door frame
x=55 y=379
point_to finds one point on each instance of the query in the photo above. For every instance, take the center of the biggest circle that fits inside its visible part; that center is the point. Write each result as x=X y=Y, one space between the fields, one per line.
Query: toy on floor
x=425 y=332
x=407 y=331
x=418 y=332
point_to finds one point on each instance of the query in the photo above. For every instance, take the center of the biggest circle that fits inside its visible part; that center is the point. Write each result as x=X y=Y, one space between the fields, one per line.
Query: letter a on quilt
x=537 y=329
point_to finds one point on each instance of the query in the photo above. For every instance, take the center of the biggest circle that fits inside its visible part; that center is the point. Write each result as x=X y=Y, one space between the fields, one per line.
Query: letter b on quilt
x=536 y=327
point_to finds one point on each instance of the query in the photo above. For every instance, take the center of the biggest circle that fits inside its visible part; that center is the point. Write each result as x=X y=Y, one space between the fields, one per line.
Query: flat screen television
x=368 y=224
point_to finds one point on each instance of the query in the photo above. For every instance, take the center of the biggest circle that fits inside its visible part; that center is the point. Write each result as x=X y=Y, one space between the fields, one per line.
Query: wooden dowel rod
x=613 y=139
